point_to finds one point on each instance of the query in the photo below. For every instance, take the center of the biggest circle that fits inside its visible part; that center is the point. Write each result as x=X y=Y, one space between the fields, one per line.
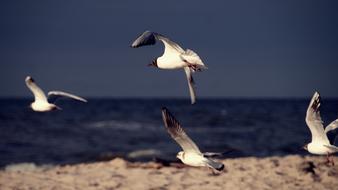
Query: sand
x=289 y=172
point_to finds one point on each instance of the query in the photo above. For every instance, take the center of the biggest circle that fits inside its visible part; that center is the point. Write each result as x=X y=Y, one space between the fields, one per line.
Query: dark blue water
x=105 y=128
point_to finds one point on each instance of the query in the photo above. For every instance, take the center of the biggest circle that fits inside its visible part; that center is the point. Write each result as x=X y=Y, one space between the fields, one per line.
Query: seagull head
x=153 y=63
x=180 y=155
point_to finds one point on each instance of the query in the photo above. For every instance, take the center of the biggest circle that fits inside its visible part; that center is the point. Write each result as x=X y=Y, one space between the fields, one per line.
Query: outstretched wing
x=191 y=84
x=39 y=95
x=332 y=131
x=217 y=154
x=59 y=94
x=146 y=38
x=149 y=38
x=177 y=133
x=314 y=121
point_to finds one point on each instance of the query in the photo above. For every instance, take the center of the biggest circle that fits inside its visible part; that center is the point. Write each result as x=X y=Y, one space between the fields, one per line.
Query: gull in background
x=174 y=57
x=322 y=142
x=41 y=103
x=191 y=155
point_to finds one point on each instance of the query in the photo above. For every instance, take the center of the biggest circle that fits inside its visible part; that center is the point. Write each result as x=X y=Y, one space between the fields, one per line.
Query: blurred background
x=265 y=58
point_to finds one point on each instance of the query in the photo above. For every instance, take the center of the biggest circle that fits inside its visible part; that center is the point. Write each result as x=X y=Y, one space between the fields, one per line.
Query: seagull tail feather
x=215 y=165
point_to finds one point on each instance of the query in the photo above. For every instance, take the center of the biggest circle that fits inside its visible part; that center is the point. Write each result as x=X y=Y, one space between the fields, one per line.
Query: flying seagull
x=191 y=154
x=41 y=103
x=322 y=142
x=174 y=57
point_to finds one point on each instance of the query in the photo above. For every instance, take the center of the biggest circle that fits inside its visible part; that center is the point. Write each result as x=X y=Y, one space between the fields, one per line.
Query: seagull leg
x=332 y=161
x=328 y=160
x=193 y=67
x=213 y=172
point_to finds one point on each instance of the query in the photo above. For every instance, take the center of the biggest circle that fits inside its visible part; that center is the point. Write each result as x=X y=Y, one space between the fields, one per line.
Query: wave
x=26 y=166
x=144 y=153
x=122 y=125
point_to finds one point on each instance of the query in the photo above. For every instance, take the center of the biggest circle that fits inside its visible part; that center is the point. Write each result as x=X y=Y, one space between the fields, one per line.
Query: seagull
x=41 y=103
x=174 y=57
x=191 y=154
x=322 y=142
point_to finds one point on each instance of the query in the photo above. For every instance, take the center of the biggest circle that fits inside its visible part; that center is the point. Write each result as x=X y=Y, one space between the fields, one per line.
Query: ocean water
x=133 y=128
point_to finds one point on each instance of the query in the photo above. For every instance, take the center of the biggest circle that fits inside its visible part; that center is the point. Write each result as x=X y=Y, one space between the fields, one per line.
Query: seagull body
x=320 y=148
x=191 y=155
x=41 y=103
x=198 y=160
x=41 y=106
x=174 y=57
x=322 y=141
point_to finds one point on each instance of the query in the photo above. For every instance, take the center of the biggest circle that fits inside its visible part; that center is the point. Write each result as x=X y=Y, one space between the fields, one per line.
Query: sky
x=252 y=48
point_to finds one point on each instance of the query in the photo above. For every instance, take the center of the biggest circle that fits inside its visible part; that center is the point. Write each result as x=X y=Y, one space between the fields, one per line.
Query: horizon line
x=188 y=98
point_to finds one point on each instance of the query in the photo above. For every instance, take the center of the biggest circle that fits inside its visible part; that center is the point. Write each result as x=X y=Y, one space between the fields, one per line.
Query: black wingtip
x=164 y=109
x=29 y=78
x=168 y=118
x=220 y=168
x=165 y=113
x=317 y=97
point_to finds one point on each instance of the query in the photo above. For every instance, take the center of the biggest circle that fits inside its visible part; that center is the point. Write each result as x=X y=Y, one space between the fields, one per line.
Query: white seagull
x=174 y=57
x=322 y=142
x=191 y=155
x=41 y=103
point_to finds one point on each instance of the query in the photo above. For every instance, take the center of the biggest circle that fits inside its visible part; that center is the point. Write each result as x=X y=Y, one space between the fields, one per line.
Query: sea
x=105 y=128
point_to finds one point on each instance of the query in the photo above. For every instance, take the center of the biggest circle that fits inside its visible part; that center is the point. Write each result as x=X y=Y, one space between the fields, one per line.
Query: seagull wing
x=149 y=38
x=59 y=94
x=177 y=133
x=170 y=46
x=314 y=121
x=191 y=84
x=39 y=95
x=332 y=131
x=332 y=148
x=217 y=154
x=191 y=57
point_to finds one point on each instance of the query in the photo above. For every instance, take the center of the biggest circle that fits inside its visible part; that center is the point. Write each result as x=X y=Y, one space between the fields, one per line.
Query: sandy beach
x=289 y=172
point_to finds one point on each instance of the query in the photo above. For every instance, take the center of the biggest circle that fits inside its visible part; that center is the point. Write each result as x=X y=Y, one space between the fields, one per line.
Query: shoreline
x=287 y=172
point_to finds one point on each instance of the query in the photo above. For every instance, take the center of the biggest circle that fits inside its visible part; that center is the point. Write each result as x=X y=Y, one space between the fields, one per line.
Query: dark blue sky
x=252 y=48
